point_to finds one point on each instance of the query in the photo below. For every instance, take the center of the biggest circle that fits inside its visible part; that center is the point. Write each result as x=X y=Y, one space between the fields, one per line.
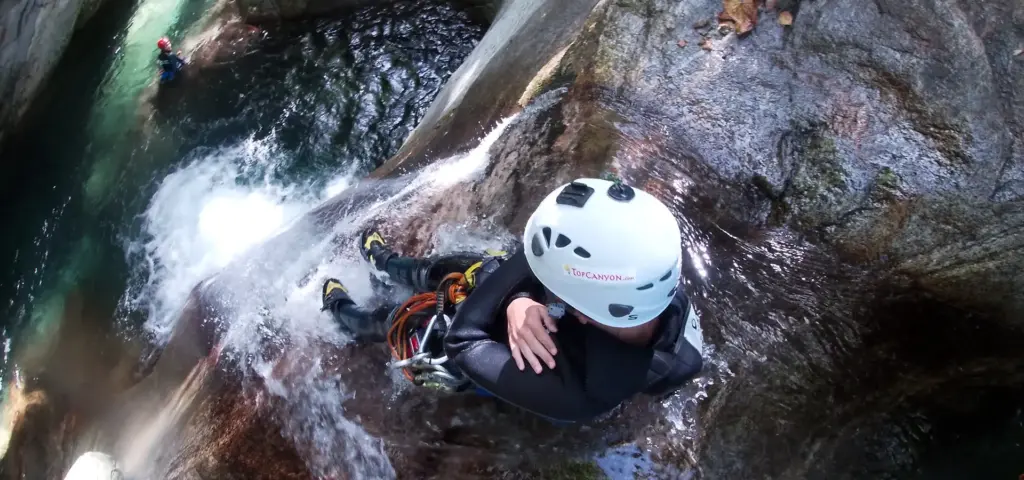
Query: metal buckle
x=430 y=370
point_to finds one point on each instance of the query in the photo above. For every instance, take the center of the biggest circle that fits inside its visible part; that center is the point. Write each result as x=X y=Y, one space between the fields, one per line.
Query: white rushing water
x=206 y=215
x=226 y=215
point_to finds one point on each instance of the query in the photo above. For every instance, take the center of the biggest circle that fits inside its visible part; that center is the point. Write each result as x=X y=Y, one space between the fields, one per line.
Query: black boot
x=362 y=325
x=374 y=249
x=402 y=270
x=334 y=294
x=422 y=275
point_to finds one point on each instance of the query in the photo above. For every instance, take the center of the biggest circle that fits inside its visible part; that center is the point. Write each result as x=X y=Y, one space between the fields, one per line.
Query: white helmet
x=610 y=251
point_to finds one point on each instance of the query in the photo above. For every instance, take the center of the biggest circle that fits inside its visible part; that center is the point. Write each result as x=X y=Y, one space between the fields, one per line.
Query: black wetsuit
x=594 y=371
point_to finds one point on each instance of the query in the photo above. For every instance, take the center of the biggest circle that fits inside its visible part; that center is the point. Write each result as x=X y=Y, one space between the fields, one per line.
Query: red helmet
x=163 y=44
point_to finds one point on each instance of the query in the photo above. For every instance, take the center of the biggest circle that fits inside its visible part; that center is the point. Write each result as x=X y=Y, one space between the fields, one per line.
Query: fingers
x=549 y=322
x=540 y=324
x=520 y=349
x=528 y=340
x=542 y=337
x=513 y=345
x=537 y=349
x=534 y=362
x=516 y=354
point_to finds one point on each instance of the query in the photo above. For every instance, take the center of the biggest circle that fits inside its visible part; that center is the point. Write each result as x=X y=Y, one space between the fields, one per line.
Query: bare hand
x=527 y=337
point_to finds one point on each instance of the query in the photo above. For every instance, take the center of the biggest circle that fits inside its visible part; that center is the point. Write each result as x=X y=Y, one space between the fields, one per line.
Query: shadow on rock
x=69 y=372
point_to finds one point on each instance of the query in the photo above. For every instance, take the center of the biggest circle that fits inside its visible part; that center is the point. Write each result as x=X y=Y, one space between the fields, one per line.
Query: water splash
x=226 y=215
x=94 y=466
x=206 y=215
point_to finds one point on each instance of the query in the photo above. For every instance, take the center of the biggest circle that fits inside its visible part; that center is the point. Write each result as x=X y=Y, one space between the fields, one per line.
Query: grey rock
x=33 y=35
x=857 y=126
x=888 y=134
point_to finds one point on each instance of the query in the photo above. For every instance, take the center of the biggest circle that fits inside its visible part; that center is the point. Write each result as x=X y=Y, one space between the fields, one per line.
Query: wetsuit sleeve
x=476 y=343
x=533 y=292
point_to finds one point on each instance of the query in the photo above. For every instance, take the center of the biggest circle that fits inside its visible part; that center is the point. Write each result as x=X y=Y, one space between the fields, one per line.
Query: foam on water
x=204 y=216
x=94 y=466
x=223 y=215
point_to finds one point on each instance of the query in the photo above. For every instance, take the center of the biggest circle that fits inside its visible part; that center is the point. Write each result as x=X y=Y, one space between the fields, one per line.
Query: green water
x=320 y=101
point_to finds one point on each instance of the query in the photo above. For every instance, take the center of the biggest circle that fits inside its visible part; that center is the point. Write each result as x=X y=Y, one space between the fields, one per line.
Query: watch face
x=556 y=310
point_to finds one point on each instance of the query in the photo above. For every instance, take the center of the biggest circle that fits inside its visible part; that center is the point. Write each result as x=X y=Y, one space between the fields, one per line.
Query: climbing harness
x=420 y=356
x=418 y=327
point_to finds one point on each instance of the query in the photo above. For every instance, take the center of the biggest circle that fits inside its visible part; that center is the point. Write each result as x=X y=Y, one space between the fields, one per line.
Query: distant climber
x=593 y=297
x=170 y=63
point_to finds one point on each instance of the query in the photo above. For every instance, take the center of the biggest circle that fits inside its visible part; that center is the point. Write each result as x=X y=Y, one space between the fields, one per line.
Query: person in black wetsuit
x=168 y=61
x=591 y=305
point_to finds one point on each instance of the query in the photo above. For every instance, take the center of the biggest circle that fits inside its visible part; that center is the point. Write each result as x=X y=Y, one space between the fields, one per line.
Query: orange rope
x=399 y=335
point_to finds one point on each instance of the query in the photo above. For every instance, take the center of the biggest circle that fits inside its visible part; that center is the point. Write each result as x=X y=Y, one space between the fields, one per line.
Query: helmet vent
x=618 y=310
x=646 y=287
x=581 y=252
x=665 y=277
x=562 y=241
x=536 y=246
x=547 y=236
x=673 y=292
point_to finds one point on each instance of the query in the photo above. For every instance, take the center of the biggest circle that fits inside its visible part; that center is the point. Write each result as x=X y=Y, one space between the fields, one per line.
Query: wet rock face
x=270 y=10
x=874 y=129
x=226 y=422
x=514 y=62
x=892 y=130
x=273 y=10
x=858 y=125
x=34 y=36
x=880 y=128
x=887 y=132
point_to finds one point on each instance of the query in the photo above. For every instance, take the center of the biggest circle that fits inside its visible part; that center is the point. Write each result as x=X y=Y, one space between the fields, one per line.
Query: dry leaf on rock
x=742 y=13
x=785 y=18
x=705 y=43
x=682 y=43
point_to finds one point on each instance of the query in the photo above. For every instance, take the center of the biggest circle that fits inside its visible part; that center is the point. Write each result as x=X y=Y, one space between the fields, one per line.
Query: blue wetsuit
x=170 y=64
